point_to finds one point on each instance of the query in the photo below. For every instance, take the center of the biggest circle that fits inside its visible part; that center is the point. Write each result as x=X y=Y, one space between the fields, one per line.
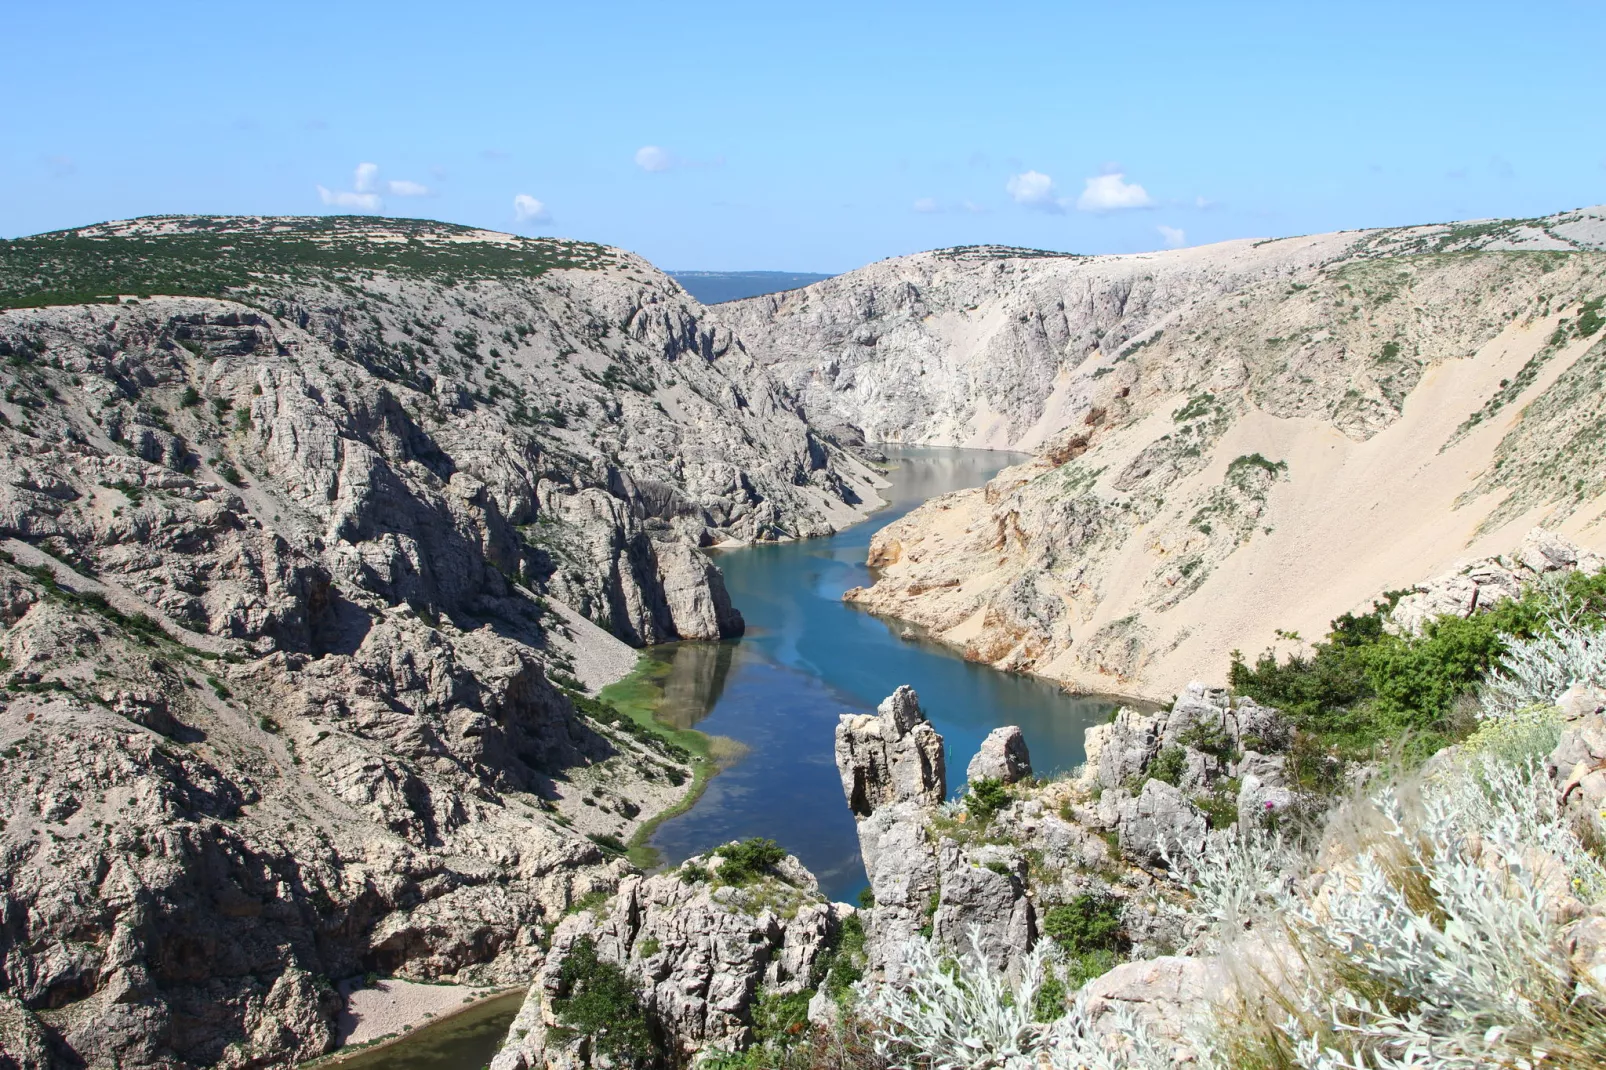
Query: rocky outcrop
x=1478 y=586
x=893 y=773
x=1232 y=443
x=940 y=870
x=280 y=607
x=1578 y=764
x=893 y=757
x=702 y=952
x=1003 y=757
x=1208 y=737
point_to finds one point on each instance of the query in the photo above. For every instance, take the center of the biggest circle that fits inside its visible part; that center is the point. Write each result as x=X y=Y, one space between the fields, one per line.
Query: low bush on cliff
x=602 y=1003
x=748 y=860
x=1363 y=691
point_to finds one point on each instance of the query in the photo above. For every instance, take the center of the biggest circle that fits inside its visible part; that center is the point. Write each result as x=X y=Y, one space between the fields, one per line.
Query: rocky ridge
x=290 y=570
x=1230 y=441
x=705 y=954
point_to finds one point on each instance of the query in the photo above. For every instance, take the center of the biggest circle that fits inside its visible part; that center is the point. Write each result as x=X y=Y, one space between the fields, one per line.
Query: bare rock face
x=893 y=772
x=1159 y=821
x=893 y=757
x=702 y=953
x=277 y=609
x=984 y=890
x=1003 y=756
x=24 y=1043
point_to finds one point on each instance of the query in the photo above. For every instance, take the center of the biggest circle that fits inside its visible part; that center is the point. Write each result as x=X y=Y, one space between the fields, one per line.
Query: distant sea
x=712 y=287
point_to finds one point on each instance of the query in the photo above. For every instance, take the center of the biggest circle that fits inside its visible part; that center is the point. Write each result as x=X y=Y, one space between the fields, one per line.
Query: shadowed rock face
x=276 y=624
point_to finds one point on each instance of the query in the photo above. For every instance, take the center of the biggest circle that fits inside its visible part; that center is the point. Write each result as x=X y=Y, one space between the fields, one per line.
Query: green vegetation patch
x=748 y=861
x=1364 y=693
x=631 y=704
x=1090 y=931
x=602 y=1003
x=220 y=256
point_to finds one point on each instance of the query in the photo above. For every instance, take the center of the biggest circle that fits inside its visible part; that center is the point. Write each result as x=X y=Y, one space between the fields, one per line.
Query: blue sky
x=807 y=137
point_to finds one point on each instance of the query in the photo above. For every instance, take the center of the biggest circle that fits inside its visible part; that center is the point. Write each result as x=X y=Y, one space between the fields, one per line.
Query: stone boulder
x=1003 y=756
x=1157 y=822
x=1164 y=994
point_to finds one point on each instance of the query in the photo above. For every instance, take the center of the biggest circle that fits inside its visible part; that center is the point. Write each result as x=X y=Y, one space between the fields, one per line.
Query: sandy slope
x=1265 y=459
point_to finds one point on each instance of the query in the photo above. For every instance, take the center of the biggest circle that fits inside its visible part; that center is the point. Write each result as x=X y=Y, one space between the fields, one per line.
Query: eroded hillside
x=291 y=566
x=1232 y=440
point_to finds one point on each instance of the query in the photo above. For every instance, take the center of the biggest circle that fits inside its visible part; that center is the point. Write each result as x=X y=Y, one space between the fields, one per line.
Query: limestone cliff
x=300 y=520
x=1230 y=441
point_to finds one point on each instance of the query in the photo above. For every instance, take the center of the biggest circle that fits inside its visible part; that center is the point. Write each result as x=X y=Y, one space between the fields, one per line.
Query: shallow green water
x=463 y=1042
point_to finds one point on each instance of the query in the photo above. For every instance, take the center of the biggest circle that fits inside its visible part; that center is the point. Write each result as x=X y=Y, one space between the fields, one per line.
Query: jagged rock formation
x=702 y=952
x=283 y=588
x=944 y=871
x=1229 y=440
x=937 y=870
x=1003 y=756
x=1048 y=843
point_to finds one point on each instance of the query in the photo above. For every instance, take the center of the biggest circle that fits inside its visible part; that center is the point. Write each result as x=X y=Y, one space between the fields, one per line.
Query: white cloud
x=972 y=206
x=401 y=187
x=1109 y=192
x=367 y=202
x=1034 y=189
x=927 y=204
x=653 y=158
x=1175 y=237
x=526 y=209
x=363 y=180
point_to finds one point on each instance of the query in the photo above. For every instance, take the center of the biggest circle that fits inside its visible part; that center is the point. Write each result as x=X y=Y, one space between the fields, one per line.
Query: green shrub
x=1087 y=923
x=842 y=966
x=190 y=398
x=748 y=860
x=1362 y=690
x=1220 y=807
x=608 y=842
x=602 y=1003
x=778 y=1020
x=1589 y=318
x=986 y=797
x=1168 y=766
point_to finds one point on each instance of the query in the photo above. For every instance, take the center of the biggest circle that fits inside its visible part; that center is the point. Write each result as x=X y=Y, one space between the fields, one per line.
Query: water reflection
x=696 y=679
x=808 y=657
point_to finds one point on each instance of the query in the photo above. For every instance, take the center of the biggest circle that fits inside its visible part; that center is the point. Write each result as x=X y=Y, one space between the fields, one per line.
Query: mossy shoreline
x=638 y=696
